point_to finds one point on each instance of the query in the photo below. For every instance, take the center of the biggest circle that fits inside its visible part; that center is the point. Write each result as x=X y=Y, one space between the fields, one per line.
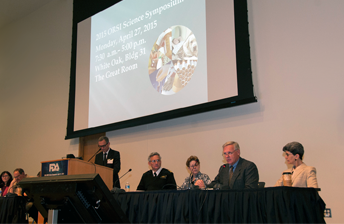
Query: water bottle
x=127 y=187
x=0 y=192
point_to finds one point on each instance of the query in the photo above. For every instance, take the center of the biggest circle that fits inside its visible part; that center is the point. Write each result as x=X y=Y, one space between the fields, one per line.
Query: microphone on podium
x=94 y=155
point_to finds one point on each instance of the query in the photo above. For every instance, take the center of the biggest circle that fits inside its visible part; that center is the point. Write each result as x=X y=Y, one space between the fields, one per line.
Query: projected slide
x=140 y=58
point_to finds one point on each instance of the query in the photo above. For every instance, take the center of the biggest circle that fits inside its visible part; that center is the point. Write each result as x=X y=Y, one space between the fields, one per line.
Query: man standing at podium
x=109 y=158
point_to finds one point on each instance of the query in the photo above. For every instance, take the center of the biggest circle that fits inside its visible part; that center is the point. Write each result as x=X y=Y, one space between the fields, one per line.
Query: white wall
x=296 y=51
x=34 y=88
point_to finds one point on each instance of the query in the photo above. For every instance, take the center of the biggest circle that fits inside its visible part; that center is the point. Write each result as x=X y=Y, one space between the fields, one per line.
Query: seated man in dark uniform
x=157 y=178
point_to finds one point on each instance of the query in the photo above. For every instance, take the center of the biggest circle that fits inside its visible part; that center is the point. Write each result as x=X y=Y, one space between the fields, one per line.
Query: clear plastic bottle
x=127 y=187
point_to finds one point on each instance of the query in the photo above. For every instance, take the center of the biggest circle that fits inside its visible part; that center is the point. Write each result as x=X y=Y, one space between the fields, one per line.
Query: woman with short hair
x=196 y=179
x=301 y=174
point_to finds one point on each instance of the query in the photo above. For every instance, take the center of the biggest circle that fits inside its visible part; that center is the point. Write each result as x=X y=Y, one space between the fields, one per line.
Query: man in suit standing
x=158 y=178
x=238 y=173
x=109 y=158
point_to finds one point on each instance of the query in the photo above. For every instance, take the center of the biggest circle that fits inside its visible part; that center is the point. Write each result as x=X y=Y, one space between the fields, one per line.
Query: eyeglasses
x=102 y=146
x=5 y=175
x=153 y=161
x=228 y=153
x=193 y=166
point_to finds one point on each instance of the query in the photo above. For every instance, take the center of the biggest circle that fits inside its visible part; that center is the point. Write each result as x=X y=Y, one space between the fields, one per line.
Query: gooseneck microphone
x=94 y=155
x=124 y=175
x=116 y=189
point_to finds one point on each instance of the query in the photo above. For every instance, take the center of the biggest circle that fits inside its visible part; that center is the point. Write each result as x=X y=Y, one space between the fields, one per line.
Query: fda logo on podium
x=54 y=167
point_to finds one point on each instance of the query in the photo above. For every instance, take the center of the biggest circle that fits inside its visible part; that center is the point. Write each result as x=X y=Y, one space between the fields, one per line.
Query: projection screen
x=142 y=61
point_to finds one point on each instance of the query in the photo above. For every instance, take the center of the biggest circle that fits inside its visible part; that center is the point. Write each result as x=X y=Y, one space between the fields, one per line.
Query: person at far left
x=5 y=181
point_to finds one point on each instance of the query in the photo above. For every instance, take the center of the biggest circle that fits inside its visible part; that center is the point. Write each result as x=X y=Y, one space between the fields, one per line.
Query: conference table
x=265 y=205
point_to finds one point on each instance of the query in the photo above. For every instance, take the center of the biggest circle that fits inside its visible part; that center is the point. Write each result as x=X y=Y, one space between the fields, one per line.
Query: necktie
x=104 y=159
x=154 y=174
x=230 y=174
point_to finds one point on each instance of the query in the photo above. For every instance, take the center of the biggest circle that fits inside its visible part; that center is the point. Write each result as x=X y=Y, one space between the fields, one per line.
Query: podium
x=76 y=166
x=82 y=198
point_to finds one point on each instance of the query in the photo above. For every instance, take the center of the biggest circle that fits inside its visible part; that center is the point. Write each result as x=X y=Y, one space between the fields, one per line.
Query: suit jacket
x=245 y=176
x=165 y=180
x=303 y=176
x=113 y=161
